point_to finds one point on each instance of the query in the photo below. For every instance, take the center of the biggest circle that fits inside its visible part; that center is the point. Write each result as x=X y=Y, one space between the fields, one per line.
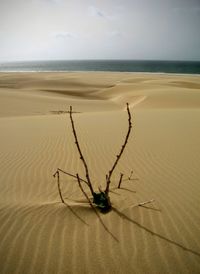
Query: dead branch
x=80 y=152
x=61 y=197
x=69 y=174
x=101 y=199
x=121 y=151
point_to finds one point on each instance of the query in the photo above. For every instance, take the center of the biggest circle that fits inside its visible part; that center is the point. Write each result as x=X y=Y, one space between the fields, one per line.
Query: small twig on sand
x=146 y=202
x=140 y=204
x=143 y=203
x=74 y=176
x=129 y=178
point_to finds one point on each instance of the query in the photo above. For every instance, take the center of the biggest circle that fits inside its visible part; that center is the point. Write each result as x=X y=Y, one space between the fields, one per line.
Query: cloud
x=116 y=13
x=65 y=35
x=95 y=12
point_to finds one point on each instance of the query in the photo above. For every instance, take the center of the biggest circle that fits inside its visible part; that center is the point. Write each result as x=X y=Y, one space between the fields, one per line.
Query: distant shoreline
x=136 y=66
x=103 y=72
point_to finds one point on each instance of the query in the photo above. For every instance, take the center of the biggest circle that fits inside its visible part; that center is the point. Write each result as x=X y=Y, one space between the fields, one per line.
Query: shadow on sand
x=127 y=218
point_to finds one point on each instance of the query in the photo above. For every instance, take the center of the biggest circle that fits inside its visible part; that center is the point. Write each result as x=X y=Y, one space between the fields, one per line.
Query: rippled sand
x=38 y=234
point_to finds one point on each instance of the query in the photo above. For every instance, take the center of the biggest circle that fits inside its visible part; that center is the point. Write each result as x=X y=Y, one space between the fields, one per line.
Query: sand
x=39 y=234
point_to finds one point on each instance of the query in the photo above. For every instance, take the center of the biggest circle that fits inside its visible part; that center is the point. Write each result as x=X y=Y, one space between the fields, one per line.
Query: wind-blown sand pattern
x=38 y=234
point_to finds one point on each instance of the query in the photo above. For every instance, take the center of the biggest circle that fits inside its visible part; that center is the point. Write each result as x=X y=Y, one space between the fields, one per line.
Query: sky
x=99 y=29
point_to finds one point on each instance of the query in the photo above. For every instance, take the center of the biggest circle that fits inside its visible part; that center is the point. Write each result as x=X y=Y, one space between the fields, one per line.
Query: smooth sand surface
x=39 y=234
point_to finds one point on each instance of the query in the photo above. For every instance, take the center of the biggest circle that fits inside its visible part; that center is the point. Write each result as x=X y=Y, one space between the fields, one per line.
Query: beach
x=40 y=234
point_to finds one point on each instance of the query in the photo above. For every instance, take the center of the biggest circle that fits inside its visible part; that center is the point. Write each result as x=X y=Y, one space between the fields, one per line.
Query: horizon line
x=98 y=59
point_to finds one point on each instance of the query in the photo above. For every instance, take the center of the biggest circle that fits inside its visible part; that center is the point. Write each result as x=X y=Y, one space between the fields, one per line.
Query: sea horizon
x=103 y=65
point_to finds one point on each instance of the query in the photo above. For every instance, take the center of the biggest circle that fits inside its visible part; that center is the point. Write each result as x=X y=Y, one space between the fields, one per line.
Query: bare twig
x=101 y=199
x=58 y=184
x=80 y=152
x=121 y=151
x=146 y=202
x=61 y=197
x=142 y=203
x=129 y=178
x=120 y=180
x=74 y=176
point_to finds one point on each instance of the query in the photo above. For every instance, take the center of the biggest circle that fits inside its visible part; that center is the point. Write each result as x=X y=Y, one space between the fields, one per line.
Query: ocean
x=180 y=67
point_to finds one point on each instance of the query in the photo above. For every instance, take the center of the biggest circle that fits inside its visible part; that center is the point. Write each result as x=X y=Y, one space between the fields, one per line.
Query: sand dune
x=39 y=234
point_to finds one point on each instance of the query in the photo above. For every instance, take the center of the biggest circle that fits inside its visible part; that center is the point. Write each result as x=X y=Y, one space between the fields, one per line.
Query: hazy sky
x=99 y=29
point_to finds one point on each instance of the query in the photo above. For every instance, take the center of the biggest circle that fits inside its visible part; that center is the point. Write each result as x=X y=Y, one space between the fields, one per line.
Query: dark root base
x=102 y=201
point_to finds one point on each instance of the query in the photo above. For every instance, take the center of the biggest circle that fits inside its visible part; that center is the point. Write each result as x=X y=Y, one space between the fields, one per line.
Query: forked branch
x=108 y=177
x=101 y=199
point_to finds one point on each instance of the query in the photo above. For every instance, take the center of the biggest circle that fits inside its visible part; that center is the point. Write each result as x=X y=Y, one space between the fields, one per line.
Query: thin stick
x=67 y=173
x=58 y=184
x=60 y=193
x=80 y=152
x=129 y=178
x=121 y=151
x=140 y=204
x=146 y=202
x=120 y=180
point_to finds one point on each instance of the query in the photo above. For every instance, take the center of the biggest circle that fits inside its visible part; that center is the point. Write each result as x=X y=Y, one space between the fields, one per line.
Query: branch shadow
x=97 y=214
x=75 y=214
x=124 y=188
x=151 y=208
x=121 y=188
x=106 y=229
x=130 y=179
x=122 y=215
x=113 y=192
x=99 y=217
